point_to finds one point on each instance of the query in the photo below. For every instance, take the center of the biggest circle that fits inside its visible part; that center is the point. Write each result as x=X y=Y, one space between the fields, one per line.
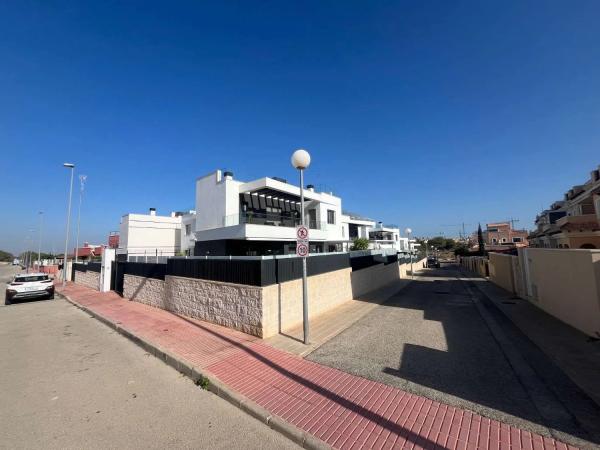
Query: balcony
x=585 y=222
x=270 y=219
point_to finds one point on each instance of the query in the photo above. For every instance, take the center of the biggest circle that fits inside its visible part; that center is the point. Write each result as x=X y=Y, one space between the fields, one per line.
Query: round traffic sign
x=302 y=250
x=302 y=232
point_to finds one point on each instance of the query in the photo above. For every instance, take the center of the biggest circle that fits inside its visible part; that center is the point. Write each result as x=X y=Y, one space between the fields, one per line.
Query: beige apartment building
x=502 y=233
x=573 y=222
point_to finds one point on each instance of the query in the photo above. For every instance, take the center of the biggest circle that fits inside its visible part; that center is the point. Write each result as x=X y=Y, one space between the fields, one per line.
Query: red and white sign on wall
x=302 y=247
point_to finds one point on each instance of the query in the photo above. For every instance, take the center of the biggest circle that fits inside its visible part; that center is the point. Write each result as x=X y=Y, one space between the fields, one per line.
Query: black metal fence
x=146 y=270
x=362 y=262
x=259 y=272
x=253 y=272
x=85 y=267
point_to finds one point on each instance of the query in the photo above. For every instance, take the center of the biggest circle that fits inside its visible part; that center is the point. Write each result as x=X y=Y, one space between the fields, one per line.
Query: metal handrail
x=269 y=219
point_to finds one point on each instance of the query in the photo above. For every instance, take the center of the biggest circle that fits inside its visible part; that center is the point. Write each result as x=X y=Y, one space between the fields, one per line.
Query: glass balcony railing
x=269 y=219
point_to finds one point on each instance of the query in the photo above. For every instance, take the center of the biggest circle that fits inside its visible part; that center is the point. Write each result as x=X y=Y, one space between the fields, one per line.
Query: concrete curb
x=295 y=434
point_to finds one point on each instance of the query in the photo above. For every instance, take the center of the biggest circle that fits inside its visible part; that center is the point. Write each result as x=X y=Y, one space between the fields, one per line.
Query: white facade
x=150 y=234
x=188 y=227
x=266 y=209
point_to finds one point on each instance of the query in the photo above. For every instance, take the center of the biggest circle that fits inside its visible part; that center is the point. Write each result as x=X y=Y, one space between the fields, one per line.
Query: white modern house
x=153 y=235
x=260 y=217
x=381 y=237
x=252 y=218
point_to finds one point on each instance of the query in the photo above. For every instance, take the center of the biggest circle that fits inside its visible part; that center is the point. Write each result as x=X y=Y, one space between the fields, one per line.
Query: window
x=312 y=218
x=517 y=239
x=494 y=240
x=331 y=217
x=27 y=279
x=492 y=230
x=188 y=229
x=503 y=239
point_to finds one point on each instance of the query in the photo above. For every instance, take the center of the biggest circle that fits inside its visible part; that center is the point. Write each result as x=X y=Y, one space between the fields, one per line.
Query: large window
x=517 y=239
x=188 y=229
x=331 y=217
x=312 y=218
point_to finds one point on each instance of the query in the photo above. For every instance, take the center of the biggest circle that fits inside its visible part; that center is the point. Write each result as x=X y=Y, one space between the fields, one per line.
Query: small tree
x=480 y=241
x=360 y=244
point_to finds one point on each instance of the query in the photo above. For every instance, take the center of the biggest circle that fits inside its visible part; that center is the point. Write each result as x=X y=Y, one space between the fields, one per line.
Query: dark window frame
x=331 y=216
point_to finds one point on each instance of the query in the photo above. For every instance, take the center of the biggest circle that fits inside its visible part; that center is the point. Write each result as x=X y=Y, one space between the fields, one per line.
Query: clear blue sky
x=417 y=113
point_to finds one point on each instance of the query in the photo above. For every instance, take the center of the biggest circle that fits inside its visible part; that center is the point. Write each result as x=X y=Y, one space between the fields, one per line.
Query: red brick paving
x=345 y=411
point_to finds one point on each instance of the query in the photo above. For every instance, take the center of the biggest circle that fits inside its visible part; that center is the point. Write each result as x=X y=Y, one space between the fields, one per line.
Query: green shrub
x=360 y=244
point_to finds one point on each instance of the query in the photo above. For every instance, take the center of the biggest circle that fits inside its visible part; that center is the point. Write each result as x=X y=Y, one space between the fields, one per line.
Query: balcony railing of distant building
x=270 y=219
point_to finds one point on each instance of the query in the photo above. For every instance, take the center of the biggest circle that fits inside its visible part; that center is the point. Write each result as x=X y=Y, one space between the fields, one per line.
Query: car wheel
x=51 y=296
x=7 y=301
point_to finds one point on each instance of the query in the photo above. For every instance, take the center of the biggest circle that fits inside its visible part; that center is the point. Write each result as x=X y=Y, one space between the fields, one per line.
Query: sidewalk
x=338 y=409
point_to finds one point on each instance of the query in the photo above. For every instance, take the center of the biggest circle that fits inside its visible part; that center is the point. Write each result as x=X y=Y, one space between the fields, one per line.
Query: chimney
x=152 y=211
x=310 y=187
x=228 y=175
x=173 y=214
x=595 y=175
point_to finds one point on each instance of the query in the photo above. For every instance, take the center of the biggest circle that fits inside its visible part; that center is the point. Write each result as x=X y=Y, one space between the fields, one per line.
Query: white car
x=29 y=285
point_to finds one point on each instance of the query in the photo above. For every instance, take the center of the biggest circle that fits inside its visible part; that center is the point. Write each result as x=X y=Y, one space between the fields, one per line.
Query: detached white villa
x=254 y=218
x=259 y=218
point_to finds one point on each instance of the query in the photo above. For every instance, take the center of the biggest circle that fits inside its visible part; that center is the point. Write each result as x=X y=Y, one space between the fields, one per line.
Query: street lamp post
x=301 y=161
x=412 y=273
x=82 y=179
x=64 y=277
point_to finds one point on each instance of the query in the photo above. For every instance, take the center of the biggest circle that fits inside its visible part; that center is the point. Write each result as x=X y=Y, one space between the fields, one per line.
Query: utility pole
x=64 y=274
x=41 y=213
x=82 y=179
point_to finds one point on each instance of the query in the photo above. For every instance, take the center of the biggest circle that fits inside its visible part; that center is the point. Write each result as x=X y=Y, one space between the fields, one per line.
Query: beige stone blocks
x=89 y=279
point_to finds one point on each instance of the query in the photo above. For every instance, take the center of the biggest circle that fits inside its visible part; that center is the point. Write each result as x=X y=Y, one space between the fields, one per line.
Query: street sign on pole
x=302 y=249
x=302 y=246
x=302 y=233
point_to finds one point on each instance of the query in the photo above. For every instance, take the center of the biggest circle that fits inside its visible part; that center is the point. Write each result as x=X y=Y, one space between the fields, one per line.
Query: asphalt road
x=7 y=271
x=68 y=381
x=430 y=339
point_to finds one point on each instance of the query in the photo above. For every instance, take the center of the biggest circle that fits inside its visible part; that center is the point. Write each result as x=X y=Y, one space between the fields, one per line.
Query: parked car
x=29 y=285
x=16 y=262
x=432 y=261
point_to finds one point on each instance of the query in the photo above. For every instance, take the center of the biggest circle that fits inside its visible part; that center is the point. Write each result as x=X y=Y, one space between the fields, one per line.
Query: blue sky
x=423 y=114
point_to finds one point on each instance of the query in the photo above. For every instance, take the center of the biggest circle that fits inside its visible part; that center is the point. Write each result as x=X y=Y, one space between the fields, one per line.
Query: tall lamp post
x=64 y=277
x=41 y=214
x=301 y=161
x=82 y=179
x=412 y=273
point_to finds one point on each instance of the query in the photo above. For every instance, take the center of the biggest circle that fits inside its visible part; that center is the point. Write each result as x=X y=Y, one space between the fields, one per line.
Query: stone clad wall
x=259 y=311
x=144 y=290
x=89 y=278
x=231 y=305
x=325 y=292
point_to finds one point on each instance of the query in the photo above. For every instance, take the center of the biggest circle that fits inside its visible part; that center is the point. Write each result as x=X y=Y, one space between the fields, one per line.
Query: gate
x=117 y=275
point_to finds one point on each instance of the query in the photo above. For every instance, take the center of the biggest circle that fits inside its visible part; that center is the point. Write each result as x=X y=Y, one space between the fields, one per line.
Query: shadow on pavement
x=474 y=366
x=345 y=403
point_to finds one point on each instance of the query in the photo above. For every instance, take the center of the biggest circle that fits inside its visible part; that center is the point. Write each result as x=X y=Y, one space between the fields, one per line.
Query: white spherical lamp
x=408 y=231
x=300 y=159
